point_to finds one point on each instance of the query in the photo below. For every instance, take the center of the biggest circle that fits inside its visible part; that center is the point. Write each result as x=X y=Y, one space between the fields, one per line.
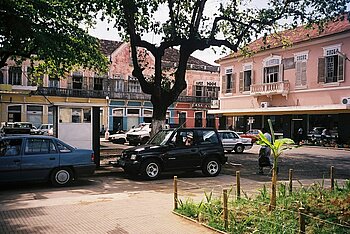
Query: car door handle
x=16 y=160
x=52 y=158
x=171 y=158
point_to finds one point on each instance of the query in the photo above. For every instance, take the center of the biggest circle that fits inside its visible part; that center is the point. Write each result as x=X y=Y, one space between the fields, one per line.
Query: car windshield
x=161 y=137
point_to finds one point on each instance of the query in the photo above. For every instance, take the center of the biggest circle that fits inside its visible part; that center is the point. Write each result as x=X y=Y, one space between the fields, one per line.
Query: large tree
x=189 y=28
x=50 y=31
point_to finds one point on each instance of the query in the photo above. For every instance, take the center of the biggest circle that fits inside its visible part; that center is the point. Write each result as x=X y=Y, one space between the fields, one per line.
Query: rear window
x=10 y=147
x=207 y=137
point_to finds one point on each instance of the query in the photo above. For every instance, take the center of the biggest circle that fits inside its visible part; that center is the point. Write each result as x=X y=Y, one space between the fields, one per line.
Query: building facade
x=306 y=86
x=117 y=93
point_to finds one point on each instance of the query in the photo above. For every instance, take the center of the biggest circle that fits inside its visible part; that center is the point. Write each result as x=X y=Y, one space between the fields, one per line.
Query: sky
x=103 y=30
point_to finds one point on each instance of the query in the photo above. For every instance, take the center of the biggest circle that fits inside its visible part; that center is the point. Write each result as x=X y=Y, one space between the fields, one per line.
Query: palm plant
x=277 y=147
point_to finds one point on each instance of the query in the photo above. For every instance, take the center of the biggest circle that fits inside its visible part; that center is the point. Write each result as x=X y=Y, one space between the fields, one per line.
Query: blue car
x=43 y=158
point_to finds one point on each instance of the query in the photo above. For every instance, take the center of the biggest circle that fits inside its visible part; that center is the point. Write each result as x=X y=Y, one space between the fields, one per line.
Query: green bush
x=326 y=211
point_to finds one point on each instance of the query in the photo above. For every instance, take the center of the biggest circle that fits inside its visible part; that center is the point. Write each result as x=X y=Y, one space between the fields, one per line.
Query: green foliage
x=193 y=25
x=326 y=211
x=51 y=32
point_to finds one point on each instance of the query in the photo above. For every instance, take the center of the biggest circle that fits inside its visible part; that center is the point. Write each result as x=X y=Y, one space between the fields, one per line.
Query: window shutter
x=253 y=78
x=341 y=67
x=298 y=74
x=241 y=82
x=223 y=84
x=281 y=72
x=321 y=69
x=303 y=73
x=233 y=86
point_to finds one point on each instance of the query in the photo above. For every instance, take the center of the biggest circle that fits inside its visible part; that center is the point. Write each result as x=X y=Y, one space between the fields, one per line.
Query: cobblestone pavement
x=111 y=202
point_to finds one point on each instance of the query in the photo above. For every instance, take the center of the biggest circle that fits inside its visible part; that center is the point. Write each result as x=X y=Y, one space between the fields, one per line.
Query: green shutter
x=233 y=86
x=303 y=73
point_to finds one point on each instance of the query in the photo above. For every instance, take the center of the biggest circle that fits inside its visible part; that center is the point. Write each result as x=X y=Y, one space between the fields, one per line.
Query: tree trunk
x=273 y=185
x=159 y=116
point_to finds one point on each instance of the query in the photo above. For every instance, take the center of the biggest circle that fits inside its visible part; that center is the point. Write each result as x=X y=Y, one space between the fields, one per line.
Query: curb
x=195 y=221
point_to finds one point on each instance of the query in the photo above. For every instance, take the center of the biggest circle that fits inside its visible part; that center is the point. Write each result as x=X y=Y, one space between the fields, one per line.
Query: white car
x=141 y=135
x=46 y=129
x=232 y=141
x=120 y=136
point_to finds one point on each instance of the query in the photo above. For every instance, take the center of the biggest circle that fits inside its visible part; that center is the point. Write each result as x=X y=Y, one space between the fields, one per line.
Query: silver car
x=232 y=141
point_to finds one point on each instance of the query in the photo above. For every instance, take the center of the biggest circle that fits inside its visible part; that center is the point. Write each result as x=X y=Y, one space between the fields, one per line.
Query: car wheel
x=239 y=148
x=61 y=177
x=150 y=169
x=211 y=167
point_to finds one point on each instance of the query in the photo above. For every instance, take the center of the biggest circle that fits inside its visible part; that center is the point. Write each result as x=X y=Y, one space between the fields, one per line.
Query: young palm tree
x=277 y=147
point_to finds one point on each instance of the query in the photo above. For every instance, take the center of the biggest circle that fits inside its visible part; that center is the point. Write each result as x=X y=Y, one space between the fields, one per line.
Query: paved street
x=111 y=202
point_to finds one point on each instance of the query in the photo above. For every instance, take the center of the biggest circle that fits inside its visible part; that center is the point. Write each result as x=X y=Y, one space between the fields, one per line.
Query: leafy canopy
x=50 y=31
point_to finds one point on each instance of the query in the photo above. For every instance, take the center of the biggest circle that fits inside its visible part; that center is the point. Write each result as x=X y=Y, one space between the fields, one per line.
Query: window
x=199 y=89
x=39 y=146
x=15 y=75
x=54 y=82
x=300 y=69
x=245 y=78
x=207 y=137
x=331 y=66
x=62 y=147
x=273 y=70
x=212 y=90
x=10 y=147
x=98 y=81
x=228 y=81
x=87 y=115
x=133 y=85
x=119 y=85
x=77 y=81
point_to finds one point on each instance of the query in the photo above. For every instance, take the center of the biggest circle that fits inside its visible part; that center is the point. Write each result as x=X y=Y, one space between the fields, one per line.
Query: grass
x=326 y=211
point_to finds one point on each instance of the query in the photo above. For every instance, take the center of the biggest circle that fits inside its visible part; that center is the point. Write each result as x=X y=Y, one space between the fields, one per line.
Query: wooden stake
x=301 y=220
x=225 y=209
x=238 y=184
x=290 y=181
x=175 y=193
x=332 y=178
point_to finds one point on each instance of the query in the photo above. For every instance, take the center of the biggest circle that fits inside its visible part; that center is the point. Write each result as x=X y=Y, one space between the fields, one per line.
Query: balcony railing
x=50 y=91
x=268 y=89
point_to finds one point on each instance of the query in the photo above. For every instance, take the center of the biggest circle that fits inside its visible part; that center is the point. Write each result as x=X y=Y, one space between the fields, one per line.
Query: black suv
x=176 y=149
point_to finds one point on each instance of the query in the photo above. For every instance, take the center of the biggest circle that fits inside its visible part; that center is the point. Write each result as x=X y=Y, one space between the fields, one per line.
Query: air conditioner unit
x=345 y=100
x=264 y=104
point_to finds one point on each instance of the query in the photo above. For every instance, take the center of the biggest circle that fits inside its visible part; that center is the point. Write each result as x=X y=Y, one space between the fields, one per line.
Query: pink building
x=306 y=86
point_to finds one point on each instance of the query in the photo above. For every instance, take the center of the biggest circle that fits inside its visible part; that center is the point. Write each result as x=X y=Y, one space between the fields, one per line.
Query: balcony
x=270 y=89
x=61 y=92
x=195 y=99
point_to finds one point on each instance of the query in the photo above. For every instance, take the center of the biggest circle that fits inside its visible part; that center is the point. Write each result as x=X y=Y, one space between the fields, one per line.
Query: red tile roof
x=294 y=36
x=170 y=58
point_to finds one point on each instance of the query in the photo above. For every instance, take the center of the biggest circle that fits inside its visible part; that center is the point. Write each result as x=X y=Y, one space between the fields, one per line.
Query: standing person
x=300 y=135
x=265 y=153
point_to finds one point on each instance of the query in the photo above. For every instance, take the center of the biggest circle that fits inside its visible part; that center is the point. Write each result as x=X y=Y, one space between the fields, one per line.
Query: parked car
x=46 y=129
x=169 y=150
x=43 y=158
x=252 y=134
x=14 y=128
x=232 y=141
x=120 y=136
x=140 y=135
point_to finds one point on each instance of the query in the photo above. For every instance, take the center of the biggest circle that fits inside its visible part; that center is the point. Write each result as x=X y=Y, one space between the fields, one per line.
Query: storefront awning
x=317 y=109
